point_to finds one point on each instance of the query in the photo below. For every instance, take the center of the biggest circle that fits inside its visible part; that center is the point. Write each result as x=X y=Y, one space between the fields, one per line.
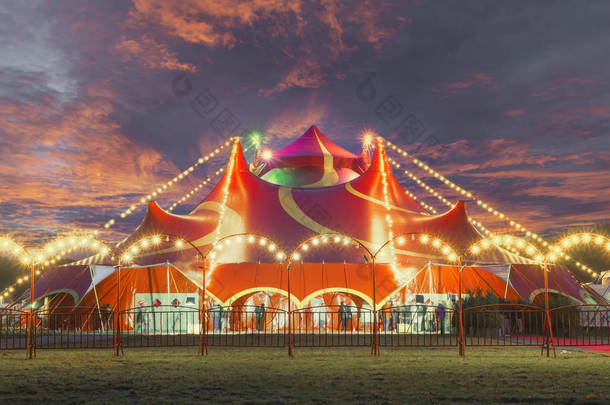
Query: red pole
x=203 y=343
x=31 y=342
x=375 y=347
x=549 y=338
x=461 y=343
x=117 y=321
x=290 y=349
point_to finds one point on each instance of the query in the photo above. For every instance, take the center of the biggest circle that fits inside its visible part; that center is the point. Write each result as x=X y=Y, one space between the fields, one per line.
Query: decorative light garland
x=468 y=194
x=192 y=192
x=225 y=196
x=428 y=207
x=508 y=241
x=426 y=239
x=49 y=254
x=162 y=189
x=436 y=194
x=386 y=200
x=576 y=239
x=251 y=238
x=320 y=240
x=555 y=252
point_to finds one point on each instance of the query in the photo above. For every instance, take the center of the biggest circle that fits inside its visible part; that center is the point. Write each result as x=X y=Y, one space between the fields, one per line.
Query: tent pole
x=375 y=347
x=97 y=301
x=117 y=326
x=290 y=349
x=461 y=343
x=31 y=341
x=548 y=341
x=203 y=343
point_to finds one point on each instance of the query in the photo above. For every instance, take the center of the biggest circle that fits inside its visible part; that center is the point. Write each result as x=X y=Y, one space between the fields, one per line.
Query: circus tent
x=357 y=205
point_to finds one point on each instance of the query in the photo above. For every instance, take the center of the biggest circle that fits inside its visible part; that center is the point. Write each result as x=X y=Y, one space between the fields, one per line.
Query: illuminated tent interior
x=343 y=194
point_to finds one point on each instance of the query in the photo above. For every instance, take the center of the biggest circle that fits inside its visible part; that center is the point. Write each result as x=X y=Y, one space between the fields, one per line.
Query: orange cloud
x=60 y=158
x=151 y=54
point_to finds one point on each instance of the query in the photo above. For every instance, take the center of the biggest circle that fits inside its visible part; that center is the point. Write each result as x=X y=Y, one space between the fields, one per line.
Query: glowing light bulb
x=266 y=154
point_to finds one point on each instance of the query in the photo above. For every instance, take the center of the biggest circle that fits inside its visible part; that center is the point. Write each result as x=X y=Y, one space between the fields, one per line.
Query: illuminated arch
x=557 y=251
x=507 y=241
x=424 y=239
x=324 y=239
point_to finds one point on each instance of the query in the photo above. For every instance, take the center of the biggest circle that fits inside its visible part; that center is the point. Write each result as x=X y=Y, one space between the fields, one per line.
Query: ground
x=178 y=375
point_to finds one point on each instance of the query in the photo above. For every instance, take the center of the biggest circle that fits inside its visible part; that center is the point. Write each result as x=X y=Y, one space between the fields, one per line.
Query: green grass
x=486 y=375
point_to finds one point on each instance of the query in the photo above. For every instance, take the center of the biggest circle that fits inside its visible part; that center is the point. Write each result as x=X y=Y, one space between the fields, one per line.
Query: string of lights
x=386 y=200
x=576 y=240
x=197 y=188
x=436 y=194
x=263 y=241
x=468 y=194
x=425 y=239
x=225 y=196
x=192 y=192
x=49 y=254
x=162 y=189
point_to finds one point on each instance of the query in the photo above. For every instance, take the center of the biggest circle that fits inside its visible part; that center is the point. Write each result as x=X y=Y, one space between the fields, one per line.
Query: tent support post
x=203 y=342
x=375 y=351
x=31 y=339
x=97 y=300
x=118 y=349
x=548 y=339
x=461 y=342
x=290 y=348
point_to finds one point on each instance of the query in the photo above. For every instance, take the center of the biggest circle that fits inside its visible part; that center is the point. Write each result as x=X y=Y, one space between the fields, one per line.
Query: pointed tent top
x=308 y=144
x=380 y=158
x=239 y=161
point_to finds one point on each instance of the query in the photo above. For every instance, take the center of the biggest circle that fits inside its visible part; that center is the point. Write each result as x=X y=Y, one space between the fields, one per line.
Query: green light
x=256 y=139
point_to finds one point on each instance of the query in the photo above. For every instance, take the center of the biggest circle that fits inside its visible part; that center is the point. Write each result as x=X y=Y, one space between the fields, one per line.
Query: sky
x=101 y=102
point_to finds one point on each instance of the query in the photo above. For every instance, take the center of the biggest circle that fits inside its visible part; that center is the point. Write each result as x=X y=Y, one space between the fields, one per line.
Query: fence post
x=548 y=339
x=290 y=348
x=30 y=339
x=461 y=342
x=375 y=344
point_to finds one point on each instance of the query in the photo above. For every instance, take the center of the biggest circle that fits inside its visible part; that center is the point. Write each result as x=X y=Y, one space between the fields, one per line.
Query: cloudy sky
x=103 y=101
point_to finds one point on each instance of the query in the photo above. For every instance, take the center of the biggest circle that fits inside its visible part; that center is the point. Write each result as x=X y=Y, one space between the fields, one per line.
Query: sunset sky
x=101 y=102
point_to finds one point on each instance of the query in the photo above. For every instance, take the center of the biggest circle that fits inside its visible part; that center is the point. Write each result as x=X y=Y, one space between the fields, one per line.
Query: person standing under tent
x=216 y=315
x=430 y=321
x=228 y=313
x=421 y=314
x=347 y=316
x=395 y=316
x=260 y=316
x=108 y=315
x=141 y=317
x=440 y=317
x=177 y=315
x=386 y=316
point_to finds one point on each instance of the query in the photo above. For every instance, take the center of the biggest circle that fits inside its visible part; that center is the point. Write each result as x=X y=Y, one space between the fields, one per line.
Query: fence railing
x=325 y=326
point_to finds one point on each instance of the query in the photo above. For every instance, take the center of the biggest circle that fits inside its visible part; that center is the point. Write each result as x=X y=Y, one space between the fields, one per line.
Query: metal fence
x=327 y=326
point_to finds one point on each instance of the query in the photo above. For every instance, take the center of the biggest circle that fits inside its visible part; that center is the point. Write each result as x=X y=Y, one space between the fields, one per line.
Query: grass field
x=503 y=375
